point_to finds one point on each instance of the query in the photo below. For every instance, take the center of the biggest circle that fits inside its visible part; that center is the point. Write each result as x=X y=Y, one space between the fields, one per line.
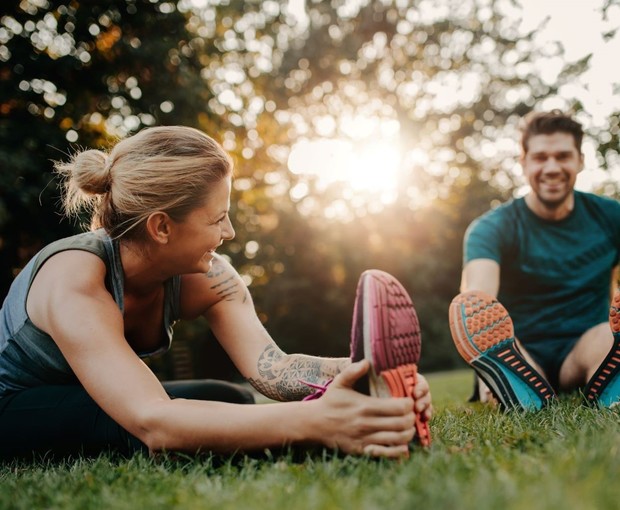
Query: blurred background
x=365 y=134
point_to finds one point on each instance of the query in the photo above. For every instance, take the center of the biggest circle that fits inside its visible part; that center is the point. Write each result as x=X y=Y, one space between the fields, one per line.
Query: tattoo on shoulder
x=226 y=285
x=227 y=288
x=215 y=271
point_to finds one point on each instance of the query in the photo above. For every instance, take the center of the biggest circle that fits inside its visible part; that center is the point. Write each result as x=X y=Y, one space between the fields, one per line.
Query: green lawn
x=565 y=457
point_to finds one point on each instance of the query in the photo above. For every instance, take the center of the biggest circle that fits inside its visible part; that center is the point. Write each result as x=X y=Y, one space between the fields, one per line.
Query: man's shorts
x=550 y=355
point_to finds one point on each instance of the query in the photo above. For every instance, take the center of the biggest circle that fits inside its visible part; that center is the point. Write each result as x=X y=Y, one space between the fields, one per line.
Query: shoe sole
x=483 y=334
x=604 y=386
x=386 y=331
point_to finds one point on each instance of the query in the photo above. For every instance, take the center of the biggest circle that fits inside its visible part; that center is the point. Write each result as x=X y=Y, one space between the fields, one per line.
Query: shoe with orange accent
x=484 y=336
x=386 y=331
x=604 y=386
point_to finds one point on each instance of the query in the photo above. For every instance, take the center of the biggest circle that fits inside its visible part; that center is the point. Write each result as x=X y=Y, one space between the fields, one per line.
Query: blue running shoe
x=604 y=386
x=484 y=335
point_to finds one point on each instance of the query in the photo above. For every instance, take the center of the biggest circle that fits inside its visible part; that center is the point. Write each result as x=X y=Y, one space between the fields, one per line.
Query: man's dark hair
x=547 y=123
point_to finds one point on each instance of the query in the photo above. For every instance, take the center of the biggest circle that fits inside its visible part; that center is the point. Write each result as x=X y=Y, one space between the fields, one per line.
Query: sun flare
x=372 y=168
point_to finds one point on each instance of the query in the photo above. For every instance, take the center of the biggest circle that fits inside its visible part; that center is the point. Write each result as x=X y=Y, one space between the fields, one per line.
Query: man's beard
x=555 y=203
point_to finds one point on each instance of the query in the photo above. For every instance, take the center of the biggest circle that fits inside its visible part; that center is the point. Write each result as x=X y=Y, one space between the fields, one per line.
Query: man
x=549 y=258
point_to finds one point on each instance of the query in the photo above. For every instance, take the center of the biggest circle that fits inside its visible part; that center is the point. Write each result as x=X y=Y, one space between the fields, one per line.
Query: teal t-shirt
x=554 y=275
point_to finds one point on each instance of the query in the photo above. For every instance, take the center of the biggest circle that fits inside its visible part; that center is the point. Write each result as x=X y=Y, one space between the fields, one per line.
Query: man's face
x=551 y=165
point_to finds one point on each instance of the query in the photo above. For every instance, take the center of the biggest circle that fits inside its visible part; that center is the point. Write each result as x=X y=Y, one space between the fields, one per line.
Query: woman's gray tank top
x=28 y=356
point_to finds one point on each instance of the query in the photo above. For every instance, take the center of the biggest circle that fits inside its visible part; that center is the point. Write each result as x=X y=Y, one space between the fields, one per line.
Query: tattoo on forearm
x=270 y=356
x=282 y=377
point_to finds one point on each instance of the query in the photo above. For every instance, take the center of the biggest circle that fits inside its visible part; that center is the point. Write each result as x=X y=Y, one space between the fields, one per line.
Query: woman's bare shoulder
x=222 y=283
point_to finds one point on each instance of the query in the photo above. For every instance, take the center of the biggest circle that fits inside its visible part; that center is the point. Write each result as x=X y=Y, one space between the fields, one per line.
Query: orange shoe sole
x=483 y=334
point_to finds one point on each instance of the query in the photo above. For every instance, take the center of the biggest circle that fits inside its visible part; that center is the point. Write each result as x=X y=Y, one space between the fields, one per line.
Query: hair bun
x=92 y=172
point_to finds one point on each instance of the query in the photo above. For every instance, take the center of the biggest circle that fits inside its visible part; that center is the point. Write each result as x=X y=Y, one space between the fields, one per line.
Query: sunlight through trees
x=365 y=133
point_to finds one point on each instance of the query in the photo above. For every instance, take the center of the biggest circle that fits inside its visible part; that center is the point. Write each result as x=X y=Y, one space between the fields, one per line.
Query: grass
x=564 y=457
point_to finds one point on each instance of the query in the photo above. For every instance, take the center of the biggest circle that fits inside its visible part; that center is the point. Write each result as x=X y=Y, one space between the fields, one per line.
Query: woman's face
x=203 y=230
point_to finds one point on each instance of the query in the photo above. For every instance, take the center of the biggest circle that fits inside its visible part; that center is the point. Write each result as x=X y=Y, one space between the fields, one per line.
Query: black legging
x=59 y=421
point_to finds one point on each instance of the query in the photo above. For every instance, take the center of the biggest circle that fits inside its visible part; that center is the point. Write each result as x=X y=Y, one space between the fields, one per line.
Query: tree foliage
x=450 y=79
x=80 y=74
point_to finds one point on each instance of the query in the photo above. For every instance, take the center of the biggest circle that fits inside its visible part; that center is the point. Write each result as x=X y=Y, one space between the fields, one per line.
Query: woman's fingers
x=350 y=375
x=397 y=406
x=422 y=396
x=371 y=425
x=390 y=452
x=379 y=427
x=391 y=438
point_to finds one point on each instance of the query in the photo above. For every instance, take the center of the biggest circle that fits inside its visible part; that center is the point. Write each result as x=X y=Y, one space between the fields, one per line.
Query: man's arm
x=481 y=274
x=615 y=274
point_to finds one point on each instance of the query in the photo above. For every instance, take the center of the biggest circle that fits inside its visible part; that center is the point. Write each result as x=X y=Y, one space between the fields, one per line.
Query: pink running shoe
x=386 y=331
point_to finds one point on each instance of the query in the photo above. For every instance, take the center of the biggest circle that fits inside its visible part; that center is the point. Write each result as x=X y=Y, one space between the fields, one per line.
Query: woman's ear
x=158 y=226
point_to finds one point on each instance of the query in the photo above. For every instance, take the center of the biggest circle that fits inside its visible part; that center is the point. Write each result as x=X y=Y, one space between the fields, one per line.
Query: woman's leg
x=209 y=389
x=59 y=421
x=62 y=421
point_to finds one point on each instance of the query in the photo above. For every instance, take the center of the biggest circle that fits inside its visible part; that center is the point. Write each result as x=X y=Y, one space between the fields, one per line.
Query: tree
x=450 y=79
x=80 y=74
x=455 y=77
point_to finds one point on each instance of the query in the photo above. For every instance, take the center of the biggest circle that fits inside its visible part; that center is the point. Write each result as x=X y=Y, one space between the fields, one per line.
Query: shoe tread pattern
x=610 y=367
x=395 y=335
x=483 y=333
x=401 y=381
x=478 y=323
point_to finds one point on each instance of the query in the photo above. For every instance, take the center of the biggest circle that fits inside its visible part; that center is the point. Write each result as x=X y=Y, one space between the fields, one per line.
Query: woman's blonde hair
x=169 y=168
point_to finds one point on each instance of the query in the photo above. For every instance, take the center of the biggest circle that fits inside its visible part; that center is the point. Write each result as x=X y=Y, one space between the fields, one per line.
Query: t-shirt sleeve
x=614 y=207
x=607 y=214
x=483 y=239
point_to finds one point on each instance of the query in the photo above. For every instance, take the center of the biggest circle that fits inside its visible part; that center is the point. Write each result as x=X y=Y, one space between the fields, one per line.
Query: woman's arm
x=284 y=376
x=223 y=298
x=78 y=312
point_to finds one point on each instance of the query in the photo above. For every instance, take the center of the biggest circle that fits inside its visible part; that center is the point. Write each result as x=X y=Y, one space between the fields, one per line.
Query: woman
x=82 y=312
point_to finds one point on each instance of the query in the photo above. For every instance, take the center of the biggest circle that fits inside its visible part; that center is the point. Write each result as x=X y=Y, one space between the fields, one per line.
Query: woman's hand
x=422 y=397
x=360 y=424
